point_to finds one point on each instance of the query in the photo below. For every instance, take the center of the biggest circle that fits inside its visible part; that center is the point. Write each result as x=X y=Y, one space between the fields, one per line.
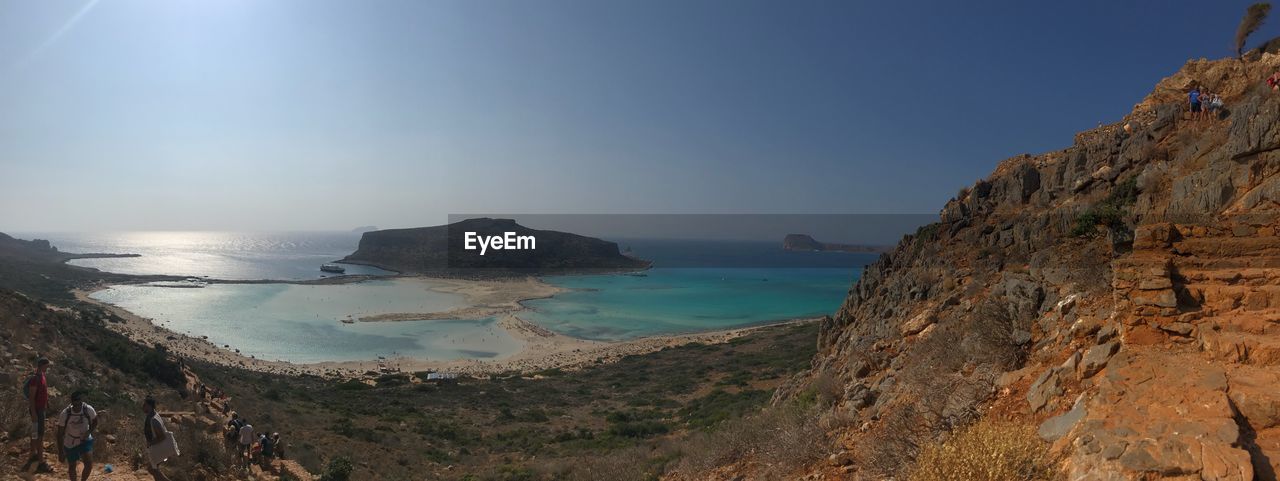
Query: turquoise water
x=694 y=286
x=679 y=300
x=302 y=323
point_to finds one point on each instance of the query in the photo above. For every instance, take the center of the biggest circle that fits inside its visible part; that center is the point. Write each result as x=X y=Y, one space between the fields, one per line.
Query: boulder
x=1096 y=358
x=918 y=323
x=1107 y=333
x=1046 y=387
x=1179 y=328
x=1058 y=426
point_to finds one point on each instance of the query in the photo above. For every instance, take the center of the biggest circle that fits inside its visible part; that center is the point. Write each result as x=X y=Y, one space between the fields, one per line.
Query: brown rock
x=918 y=323
x=1155 y=284
x=1161 y=298
x=1179 y=328
x=1096 y=358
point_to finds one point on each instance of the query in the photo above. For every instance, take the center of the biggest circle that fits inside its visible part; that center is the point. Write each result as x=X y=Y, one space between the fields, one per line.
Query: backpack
x=82 y=415
x=26 y=387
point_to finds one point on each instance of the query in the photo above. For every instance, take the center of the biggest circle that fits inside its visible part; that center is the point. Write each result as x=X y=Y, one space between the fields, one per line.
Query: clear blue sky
x=312 y=114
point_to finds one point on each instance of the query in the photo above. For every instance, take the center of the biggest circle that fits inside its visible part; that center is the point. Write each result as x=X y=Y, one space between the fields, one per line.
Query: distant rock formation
x=440 y=250
x=35 y=248
x=364 y=228
x=803 y=242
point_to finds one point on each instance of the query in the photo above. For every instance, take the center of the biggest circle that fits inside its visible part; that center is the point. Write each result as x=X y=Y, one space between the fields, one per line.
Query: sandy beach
x=541 y=349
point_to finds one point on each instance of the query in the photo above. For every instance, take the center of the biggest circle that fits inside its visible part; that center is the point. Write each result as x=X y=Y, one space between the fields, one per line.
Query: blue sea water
x=692 y=286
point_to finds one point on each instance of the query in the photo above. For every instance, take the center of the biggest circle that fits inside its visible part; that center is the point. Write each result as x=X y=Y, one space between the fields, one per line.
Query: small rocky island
x=442 y=251
x=806 y=243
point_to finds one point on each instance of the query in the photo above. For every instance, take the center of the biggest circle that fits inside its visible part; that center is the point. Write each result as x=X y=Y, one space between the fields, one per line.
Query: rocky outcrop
x=803 y=242
x=1122 y=295
x=443 y=250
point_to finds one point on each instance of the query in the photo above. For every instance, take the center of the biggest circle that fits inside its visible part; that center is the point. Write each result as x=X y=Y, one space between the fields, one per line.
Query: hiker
x=247 y=442
x=277 y=449
x=76 y=424
x=1215 y=107
x=1194 y=98
x=160 y=443
x=268 y=444
x=36 y=390
x=1274 y=81
x=233 y=427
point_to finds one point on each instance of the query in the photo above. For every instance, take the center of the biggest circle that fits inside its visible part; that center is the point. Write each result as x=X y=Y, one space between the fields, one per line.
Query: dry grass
x=787 y=437
x=989 y=450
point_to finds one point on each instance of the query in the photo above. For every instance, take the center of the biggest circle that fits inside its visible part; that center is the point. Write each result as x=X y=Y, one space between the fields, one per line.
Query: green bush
x=339 y=469
x=1110 y=212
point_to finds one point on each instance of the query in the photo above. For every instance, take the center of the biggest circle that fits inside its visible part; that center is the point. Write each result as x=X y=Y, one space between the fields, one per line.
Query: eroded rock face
x=1155 y=413
x=1162 y=318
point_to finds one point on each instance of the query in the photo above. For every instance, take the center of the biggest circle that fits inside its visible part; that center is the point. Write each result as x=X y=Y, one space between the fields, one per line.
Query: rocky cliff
x=1122 y=295
x=441 y=250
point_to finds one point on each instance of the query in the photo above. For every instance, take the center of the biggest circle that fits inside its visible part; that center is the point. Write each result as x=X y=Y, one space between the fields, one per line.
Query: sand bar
x=542 y=349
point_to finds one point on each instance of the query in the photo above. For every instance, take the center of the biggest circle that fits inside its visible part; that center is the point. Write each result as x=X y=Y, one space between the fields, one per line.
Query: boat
x=332 y=268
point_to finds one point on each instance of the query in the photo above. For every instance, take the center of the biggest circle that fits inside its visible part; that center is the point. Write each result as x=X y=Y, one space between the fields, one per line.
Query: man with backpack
x=36 y=390
x=160 y=443
x=76 y=424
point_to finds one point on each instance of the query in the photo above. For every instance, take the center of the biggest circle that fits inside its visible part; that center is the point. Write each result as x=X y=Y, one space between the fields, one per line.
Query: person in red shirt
x=37 y=391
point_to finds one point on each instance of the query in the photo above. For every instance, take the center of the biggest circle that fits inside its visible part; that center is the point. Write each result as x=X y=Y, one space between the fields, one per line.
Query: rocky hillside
x=1121 y=295
x=440 y=250
x=116 y=375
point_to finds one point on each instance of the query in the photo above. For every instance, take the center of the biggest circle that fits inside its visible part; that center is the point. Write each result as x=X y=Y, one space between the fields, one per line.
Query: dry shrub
x=824 y=390
x=14 y=417
x=201 y=452
x=788 y=437
x=637 y=463
x=989 y=450
x=951 y=372
x=1253 y=18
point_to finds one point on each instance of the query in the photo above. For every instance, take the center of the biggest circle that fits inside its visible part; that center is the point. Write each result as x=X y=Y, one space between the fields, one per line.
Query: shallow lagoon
x=681 y=300
x=303 y=323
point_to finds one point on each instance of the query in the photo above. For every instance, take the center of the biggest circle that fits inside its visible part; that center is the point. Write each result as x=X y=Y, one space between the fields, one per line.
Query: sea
x=693 y=286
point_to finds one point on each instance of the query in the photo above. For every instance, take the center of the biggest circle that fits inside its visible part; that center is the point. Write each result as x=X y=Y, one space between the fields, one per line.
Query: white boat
x=332 y=268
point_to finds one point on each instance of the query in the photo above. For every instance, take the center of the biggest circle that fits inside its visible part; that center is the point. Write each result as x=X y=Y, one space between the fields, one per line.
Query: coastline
x=542 y=349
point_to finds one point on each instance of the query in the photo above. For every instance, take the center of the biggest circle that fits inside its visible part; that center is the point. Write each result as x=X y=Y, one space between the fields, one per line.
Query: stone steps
x=1225 y=298
x=1263 y=322
x=1253 y=394
x=1228 y=247
x=1228 y=274
x=1241 y=347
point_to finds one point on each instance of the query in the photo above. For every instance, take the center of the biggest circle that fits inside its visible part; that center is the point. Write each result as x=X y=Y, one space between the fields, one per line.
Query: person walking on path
x=76 y=425
x=247 y=441
x=160 y=443
x=36 y=390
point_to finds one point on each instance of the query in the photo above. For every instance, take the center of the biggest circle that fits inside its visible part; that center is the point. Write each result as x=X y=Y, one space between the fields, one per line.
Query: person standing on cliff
x=36 y=390
x=1194 y=98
